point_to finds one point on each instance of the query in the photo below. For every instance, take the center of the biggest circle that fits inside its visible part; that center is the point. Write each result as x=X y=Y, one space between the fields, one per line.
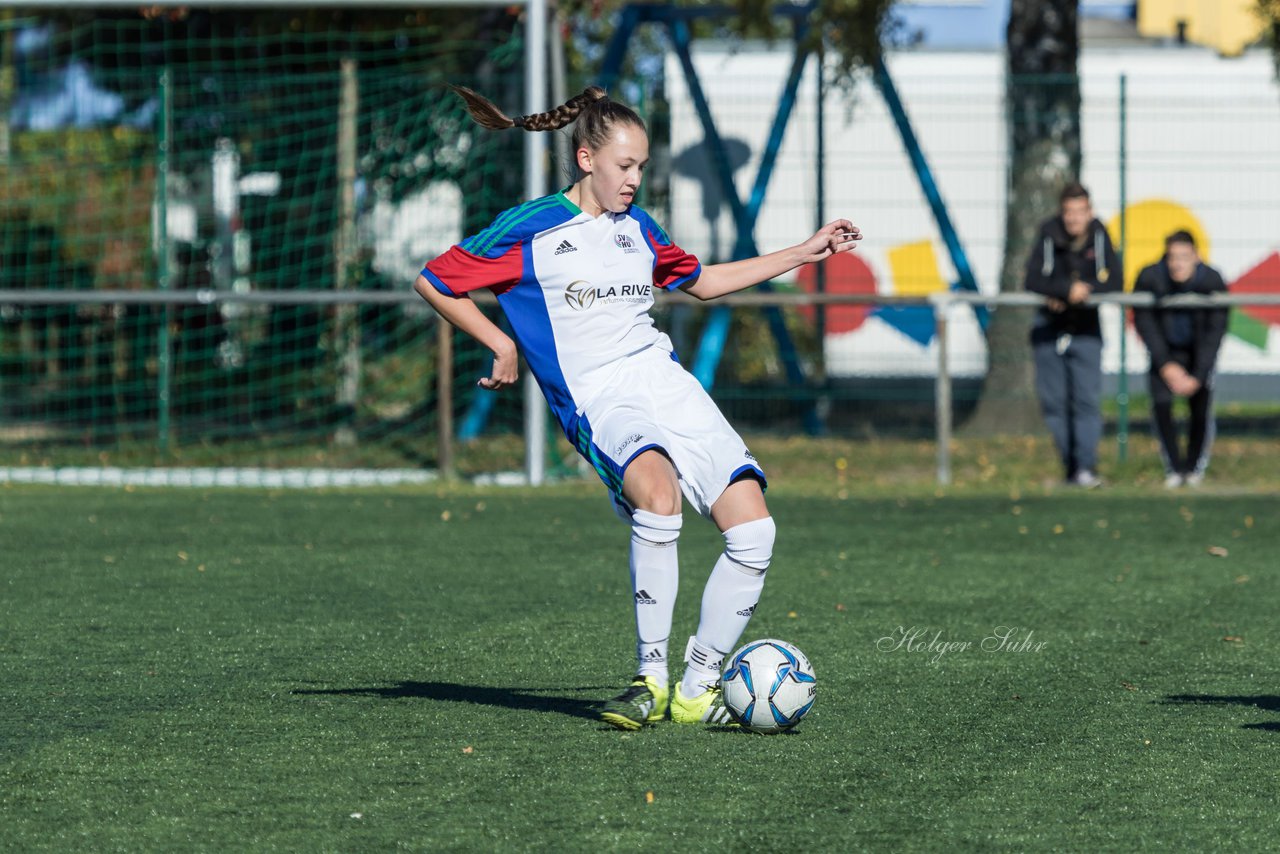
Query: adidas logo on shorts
x=564 y=247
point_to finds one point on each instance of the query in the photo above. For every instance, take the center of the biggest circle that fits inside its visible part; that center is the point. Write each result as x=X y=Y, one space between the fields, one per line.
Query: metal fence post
x=164 y=347
x=1122 y=391
x=444 y=398
x=347 y=326
x=535 y=185
x=942 y=387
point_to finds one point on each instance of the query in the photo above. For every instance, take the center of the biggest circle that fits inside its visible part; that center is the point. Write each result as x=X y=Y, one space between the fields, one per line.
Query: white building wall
x=1203 y=133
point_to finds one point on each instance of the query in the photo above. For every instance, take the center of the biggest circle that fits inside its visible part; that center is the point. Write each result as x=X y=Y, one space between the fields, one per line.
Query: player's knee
x=750 y=545
x=655 y=528
x=652 y=484
x=663 y=502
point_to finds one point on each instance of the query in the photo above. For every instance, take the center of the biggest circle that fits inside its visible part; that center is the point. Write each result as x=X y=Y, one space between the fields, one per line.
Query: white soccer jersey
x=577 y=290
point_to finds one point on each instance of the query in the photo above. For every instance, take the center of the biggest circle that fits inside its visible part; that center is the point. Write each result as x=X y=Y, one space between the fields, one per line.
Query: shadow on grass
x=523 y=699
x=1266 y=702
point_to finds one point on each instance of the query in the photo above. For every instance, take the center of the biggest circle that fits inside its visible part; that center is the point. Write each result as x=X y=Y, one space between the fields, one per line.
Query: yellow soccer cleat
x=644 y=702
x=708 y=707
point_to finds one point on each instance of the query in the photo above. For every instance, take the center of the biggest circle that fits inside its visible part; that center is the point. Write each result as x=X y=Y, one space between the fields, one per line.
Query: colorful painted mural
x=1203 y=153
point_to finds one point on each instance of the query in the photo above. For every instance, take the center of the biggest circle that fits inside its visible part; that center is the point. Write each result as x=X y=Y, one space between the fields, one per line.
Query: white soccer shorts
x=653 y=402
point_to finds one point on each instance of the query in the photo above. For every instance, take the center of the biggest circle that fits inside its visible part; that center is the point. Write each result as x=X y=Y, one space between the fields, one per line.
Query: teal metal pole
x=164 y=361
x=1122 y=392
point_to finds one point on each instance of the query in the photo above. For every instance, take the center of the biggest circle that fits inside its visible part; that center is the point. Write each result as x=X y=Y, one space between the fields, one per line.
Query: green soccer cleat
x=708 y=707
x=644 y=702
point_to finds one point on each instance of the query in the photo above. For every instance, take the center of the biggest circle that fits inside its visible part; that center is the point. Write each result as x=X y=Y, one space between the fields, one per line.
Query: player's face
x=1076 y=216
x=1182 y=260
x=614 y=170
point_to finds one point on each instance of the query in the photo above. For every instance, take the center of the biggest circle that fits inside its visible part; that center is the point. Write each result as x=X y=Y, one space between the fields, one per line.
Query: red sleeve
x=672 y=266
x=457 y=271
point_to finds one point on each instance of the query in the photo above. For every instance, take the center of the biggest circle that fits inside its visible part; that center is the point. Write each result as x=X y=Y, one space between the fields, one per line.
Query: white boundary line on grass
x=296 y=478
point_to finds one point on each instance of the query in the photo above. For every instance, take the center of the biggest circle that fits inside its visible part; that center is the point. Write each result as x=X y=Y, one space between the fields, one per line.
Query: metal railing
x=940 y=303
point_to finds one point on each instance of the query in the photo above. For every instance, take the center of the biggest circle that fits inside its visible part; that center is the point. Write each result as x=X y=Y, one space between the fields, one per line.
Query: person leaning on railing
x=1183 y=343
x=1072 y=258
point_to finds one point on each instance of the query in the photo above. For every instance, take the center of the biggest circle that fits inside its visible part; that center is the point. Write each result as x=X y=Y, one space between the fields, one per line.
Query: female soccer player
x=575 y=272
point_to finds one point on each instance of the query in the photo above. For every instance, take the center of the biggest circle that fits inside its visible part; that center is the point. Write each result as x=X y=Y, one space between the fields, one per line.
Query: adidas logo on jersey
x=564 y=247
x=747 y=612
x=643 y=598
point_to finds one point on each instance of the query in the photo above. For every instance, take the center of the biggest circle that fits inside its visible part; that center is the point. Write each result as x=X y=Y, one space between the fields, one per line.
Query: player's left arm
x=716 y=280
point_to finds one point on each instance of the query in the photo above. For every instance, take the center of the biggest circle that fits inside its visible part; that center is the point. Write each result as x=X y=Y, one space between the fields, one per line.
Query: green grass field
x=376 y=670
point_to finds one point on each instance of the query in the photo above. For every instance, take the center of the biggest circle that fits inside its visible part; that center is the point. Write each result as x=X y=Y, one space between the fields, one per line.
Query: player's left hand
x=837 y=236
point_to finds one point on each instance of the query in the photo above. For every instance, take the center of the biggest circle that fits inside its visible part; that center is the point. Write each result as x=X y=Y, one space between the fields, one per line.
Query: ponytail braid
x=486 y=113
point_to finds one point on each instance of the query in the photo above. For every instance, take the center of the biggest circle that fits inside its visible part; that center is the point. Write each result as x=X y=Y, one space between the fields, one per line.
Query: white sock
x=728 y=601
x=655 y=577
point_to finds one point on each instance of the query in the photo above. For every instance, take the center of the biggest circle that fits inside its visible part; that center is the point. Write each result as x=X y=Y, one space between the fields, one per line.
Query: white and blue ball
x=769 y=685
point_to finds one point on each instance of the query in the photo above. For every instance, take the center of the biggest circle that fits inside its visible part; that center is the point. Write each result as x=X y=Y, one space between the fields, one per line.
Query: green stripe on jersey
x=502 y=225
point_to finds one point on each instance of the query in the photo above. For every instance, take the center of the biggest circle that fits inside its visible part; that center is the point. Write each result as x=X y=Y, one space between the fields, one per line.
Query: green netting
x=242 y=152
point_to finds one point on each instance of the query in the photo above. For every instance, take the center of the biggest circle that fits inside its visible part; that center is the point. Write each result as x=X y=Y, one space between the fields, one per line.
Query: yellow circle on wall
x=1147 y=224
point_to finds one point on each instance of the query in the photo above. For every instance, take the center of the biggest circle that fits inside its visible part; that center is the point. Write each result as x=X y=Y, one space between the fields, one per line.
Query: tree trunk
x=1042 y=95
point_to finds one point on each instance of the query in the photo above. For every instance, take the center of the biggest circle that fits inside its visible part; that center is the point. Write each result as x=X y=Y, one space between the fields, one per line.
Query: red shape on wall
x=846 y=274
x=1262 y=279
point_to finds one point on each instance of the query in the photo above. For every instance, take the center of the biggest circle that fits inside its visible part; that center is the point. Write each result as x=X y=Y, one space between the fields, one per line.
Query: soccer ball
x=769 y=686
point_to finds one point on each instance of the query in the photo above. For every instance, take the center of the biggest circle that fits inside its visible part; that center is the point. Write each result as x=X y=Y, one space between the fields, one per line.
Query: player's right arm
x=467 y=316
x=446 y=281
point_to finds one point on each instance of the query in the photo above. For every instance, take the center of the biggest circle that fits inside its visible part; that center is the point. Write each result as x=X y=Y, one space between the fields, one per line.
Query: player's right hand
x=505 y=370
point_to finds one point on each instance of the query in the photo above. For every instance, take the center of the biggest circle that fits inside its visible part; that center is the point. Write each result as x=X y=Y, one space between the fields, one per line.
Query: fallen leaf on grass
x=468 y=749
x=1128 y=686
x=1233 y=639
x=1218 y=551
x=1242 y=579
x=840 y=607
x=648 y=797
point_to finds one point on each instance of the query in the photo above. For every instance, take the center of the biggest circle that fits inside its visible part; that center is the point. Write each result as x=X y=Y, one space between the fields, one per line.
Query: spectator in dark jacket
x=1072 y=259
x=1183 y=343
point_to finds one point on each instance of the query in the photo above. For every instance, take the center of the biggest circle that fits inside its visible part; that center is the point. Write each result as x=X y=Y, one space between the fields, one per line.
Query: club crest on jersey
x=625 y=243
x=580 y=295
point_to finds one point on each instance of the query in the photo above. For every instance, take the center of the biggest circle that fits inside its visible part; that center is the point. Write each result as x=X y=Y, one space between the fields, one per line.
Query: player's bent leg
x=651 y=487
x=655 y=579
x=728 y=602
